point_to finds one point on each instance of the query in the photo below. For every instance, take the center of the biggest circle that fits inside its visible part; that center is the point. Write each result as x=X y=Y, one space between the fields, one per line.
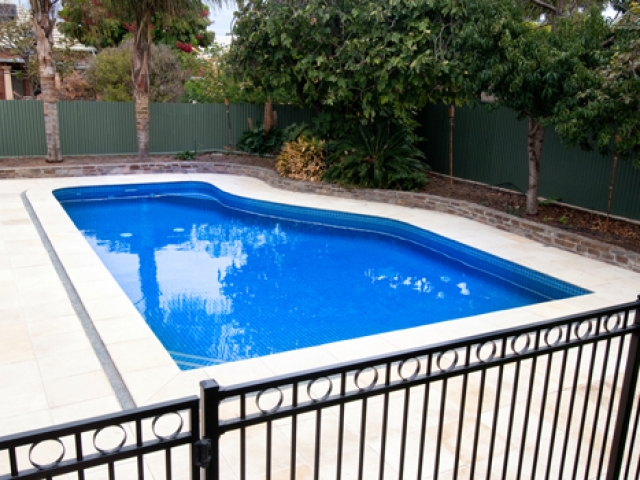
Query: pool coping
x=154 y=377
x=546 y=234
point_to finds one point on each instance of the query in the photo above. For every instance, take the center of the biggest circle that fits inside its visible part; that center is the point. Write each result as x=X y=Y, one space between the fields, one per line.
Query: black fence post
x=625 y=407
x=209 y=415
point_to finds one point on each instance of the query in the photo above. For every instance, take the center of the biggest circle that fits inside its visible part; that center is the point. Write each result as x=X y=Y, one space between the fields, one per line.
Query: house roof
x=9 y=58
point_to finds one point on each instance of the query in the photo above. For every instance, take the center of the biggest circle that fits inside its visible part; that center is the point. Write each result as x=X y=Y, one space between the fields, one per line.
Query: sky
x=222 y=18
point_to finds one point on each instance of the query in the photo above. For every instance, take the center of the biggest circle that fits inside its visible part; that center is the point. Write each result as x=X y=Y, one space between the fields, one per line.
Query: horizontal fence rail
x=534 y=402
x=151 y=438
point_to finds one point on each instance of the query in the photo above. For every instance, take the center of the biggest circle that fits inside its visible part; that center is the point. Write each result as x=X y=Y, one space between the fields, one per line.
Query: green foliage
x=295 y=130
x=604 y=115
x=260 y=142
x=351 y=59
x=549 y=201
x=513 y=210
x=213 y=81
x=302 y=158
x=17 y=38
x=101 y=24
x=186 y=155
x=523 y=66
x=378 y=155
x=110 y=74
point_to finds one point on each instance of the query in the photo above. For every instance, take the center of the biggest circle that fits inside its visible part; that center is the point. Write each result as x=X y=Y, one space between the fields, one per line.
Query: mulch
x=625 y=234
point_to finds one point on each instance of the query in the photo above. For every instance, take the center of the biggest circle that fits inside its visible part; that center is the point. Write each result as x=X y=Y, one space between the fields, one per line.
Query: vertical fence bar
x=194 y=422
x=626 y=401
x=209 y=414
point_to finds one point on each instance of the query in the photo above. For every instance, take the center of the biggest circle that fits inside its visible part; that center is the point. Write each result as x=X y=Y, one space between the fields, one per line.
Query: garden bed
x=577 y=221
x=585 y=223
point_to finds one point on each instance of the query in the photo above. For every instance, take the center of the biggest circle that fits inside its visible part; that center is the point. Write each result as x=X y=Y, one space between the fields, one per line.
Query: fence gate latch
x=202 y=452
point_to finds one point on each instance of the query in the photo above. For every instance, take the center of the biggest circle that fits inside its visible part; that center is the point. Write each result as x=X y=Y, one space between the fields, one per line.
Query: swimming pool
x=220 y=278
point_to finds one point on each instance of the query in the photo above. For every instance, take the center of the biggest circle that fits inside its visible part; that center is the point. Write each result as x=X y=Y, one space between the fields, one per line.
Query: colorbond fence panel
x=97 y=128
x=22 y=129
x=176 y=127
x=491 y=147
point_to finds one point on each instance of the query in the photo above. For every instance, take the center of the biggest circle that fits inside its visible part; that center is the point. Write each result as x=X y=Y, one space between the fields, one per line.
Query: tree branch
x=544 y=5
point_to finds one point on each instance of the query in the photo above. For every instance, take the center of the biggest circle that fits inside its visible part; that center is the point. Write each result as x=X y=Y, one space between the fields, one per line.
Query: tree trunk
x=140 y=77
x=44 y=20
x=267 y=123
x=534 y=150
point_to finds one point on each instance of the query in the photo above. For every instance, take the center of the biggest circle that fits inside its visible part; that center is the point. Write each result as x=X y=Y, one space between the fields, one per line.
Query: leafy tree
x=605 y=115
x=17 y=38
x=139 y=15
x=352 y=59
x=529 y=67
x=548 y=11
x=44 y=21
x=110 y=74
x=95 y=23
x=213 y=81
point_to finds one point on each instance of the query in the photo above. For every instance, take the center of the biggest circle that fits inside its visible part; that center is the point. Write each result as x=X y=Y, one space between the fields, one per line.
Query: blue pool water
x=220 y=278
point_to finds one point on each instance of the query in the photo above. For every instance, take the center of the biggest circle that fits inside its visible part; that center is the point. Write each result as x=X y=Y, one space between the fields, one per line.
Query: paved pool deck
x=51 y=370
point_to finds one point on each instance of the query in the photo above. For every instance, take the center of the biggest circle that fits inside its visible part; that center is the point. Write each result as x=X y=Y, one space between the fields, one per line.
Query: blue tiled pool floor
x=220 y=278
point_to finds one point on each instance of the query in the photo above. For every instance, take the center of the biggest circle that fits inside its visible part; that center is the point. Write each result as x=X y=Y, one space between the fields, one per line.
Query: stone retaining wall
x=539 y=232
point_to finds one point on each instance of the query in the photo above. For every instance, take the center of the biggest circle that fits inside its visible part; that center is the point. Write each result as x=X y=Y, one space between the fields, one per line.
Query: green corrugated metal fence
x=97 y=128
x=491 y=147
x=109 y=128
x=182 y=126
x=22 y=129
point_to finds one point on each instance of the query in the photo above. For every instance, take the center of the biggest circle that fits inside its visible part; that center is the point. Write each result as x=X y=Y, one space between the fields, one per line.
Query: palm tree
x=140 y=13
x=44 y=21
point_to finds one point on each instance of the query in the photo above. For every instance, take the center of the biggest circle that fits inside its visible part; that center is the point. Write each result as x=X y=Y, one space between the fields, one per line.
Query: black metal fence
x=558 y=399
x=140 y=443
x=533 y=402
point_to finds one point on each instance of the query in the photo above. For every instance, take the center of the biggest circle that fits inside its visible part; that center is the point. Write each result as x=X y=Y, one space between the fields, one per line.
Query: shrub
x=186 y=155
x=302 y=159
x=381 y=155
x=110 y=74
x=256 y=140
x=295 y=130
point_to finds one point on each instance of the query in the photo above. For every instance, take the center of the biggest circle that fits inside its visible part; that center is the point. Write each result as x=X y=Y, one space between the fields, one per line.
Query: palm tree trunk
x=44 y=21
x=534 y=150
x=140 y=77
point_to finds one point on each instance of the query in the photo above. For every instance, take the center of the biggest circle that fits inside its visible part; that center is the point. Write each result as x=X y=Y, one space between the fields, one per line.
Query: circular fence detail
x=118 y=445
x=523 y=337
x=549 y=334
x=166 y=418
x=269 y=392
x=366 y=371
x=443 y=356
x=618 y=322
x=416 y=369
x=480 y=351
x=317 y=382
x=47 y=453
x=583 y=329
